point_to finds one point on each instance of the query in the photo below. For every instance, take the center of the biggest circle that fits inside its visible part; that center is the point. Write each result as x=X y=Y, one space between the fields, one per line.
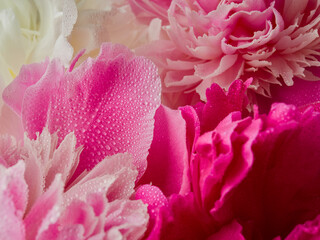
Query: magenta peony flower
x=254 y=177
x=37 y=205
x=108 y=102
x=221 y=41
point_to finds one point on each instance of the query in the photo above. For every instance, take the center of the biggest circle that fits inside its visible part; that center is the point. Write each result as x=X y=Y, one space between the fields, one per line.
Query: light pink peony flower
x=221 y=41
x=146 y=10
x=108 y=102
x=37 y=204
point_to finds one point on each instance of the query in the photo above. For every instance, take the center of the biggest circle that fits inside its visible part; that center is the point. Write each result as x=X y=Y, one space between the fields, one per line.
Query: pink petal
x=9 y=151
x=157 y=206
x=168 y=155
x=13 y=198
x=230 y=231
x=306 y=231
x=29 y=75
x=115 y=176
x=10 y=122
x=224 y=157
x=126 y=219
x=220 y=104
x=45 y=211
x=284 y=176
x=302 y=94
x=114 y=98
x=44 y=160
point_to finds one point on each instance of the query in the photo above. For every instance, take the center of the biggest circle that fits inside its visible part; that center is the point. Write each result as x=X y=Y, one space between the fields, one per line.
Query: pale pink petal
x=149 y=9
x=126 y=219
x=10 y=122
x=44 y=159
x=273 y=42
x=13 y=198
x=79 y=213
x=168 y=155
x=45 y=211
x=114 y=176
x=74 y=232
x=9 y=150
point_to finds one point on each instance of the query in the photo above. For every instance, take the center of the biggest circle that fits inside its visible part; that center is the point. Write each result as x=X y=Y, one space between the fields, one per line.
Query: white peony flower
x=31 y=30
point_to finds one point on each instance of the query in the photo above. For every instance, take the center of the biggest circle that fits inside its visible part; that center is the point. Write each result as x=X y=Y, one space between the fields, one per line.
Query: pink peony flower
x=221 y=41
x=37 y=205
x=108 y=102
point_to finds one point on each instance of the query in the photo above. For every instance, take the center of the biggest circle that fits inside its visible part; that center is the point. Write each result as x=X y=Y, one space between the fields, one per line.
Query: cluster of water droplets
x=110 y=107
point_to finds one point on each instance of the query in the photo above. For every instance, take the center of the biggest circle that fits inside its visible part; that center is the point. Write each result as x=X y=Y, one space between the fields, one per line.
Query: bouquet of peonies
x=160 y=119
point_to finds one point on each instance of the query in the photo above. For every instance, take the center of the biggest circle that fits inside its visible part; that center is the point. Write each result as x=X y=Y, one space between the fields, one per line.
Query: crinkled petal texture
x=108 y=102
x=250 y=177
x=13 y=198
x=98 y=206
x=223 y=159
x=221 y=41
x=37 y=204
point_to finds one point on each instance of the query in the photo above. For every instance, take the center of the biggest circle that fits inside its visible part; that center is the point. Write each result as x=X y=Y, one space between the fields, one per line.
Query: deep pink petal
x=157 y=207
x=220 y=103
x=230 y=231
x=282 y=189
x=168 y=155
x=306 y=231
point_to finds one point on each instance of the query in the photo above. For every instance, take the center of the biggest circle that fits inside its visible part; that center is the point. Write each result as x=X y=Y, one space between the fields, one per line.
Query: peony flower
x=37 y=204
x=221 y=41
x=173 y=167
x=32 y=31
x=108 y=102
x=254 y=177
